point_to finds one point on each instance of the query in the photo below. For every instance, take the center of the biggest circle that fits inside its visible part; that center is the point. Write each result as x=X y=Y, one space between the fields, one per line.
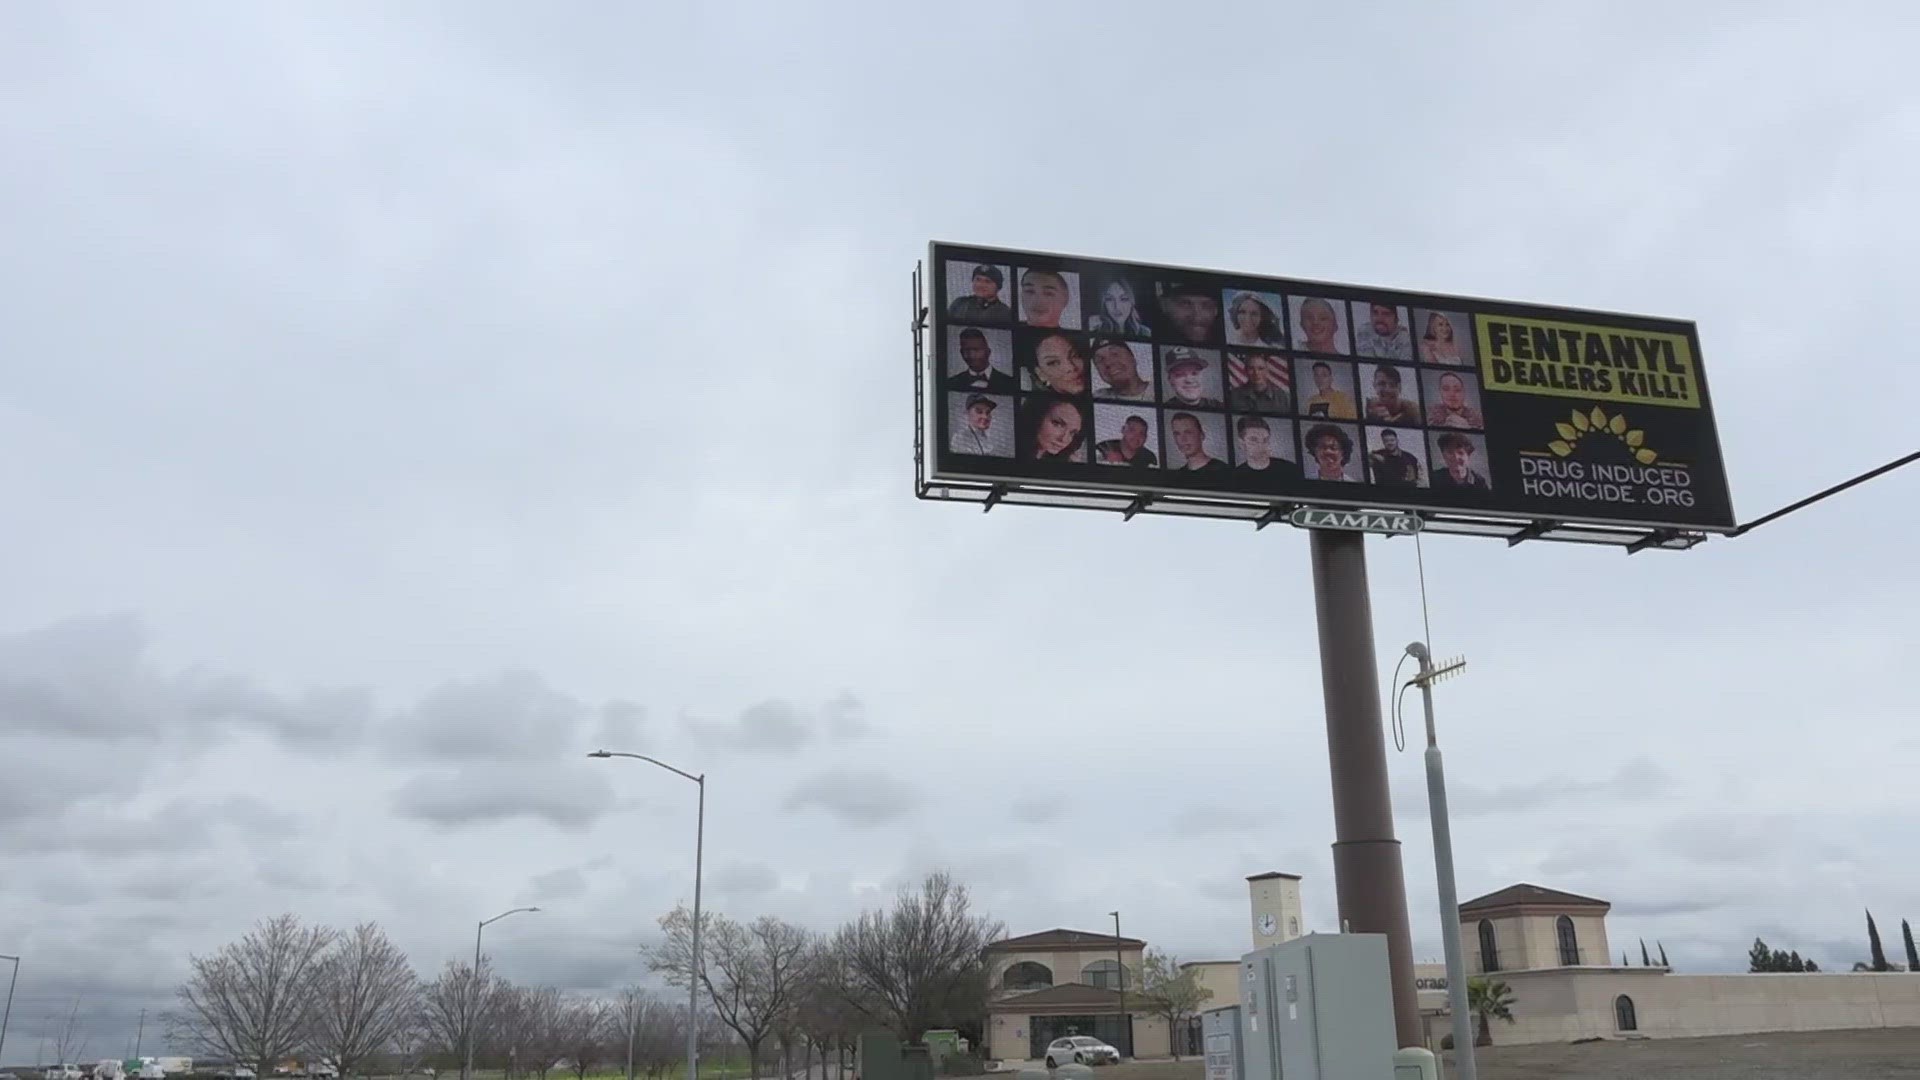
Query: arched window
x=1489 y=955
x=1105 y=974
x=1569 y=944
x=1027 y=975
x=1624 y=1017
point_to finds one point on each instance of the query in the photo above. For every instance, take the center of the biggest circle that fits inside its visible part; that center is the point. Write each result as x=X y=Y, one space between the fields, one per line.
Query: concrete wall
x=1568 y=1004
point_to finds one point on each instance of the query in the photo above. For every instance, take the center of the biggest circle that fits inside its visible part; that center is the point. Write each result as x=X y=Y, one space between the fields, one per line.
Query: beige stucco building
x=1067 y=982
x=1549 y=947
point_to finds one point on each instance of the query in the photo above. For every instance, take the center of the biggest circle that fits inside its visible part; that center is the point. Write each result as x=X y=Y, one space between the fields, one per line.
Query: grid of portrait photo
x=1123 y=367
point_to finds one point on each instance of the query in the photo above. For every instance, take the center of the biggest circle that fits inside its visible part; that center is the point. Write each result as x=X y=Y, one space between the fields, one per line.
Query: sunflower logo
x=1596 y=424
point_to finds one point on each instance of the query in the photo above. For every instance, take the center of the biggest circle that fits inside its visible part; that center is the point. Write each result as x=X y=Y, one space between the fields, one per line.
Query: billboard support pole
x=1369 y=881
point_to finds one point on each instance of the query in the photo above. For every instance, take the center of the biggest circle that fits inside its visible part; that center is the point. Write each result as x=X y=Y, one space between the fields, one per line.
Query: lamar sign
x=1373 y=521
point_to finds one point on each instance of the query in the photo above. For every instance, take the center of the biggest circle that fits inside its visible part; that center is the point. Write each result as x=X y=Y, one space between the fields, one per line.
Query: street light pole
x=8 y=1014
x=473 y=1003
x=699 y=857
x=1443 y=865
x=1126 y=1022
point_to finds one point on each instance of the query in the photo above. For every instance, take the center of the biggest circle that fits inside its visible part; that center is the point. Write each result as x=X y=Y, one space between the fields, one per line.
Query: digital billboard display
x=1111 y=376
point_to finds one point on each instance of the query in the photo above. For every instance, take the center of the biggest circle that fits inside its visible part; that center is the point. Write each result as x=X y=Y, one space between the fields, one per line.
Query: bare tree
x=253 y=1001
x=456 y=1004
x=414 y=1039
x=586 y=1034
x=752 y=973
x=366 y=994
x=637 y=1018
x=911 y=962
x=71 y=1040
x=655 y=1033
x=516 y=1031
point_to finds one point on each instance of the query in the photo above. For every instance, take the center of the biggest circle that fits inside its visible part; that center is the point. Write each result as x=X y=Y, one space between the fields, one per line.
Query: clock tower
x=1275 y=901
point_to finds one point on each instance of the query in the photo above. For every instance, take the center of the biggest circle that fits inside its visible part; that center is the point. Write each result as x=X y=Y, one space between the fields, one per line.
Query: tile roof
x=1523 y=893
x=1062 y=939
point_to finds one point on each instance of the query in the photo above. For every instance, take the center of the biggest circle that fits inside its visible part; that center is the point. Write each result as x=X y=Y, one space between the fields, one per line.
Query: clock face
x=1267 y=924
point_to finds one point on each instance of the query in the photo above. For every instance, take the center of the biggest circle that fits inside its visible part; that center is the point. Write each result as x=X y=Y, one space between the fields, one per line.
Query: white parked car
x=1080 y=1050
x=62 y=1072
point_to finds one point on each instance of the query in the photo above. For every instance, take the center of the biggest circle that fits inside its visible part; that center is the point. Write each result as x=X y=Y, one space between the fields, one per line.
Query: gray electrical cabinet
x=1220 y=1042
x=1319 y=1007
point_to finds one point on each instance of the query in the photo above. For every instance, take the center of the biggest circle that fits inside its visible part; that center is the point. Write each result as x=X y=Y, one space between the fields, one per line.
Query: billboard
x=1096 y=375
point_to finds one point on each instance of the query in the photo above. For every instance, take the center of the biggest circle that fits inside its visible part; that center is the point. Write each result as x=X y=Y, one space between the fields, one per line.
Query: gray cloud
x=510 y=715
x=620 y=726
x=1636 y=780
x=566 y=797
x=91 y=680
x=566 y=883
x=1037 y=809
x=776 y=726
x=845 y=718
x=743 y=880
x=857 y=796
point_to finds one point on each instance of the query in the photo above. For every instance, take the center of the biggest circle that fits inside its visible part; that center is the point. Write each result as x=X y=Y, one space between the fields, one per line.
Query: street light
x=8 y=1015
x=1463 y=1059
x=473 y=1006
x=1126 y=1022
x=699 y=846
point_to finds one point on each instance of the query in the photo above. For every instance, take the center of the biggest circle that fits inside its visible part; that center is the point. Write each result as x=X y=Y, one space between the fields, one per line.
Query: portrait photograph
x=1390 y=394
x=1443 y=337
x=1191 y=378
x=1054 y=360
x=1324 y=389
x=1264 y=449
x=1331 y=452
x=1380 y=330
x=1126 y=435
x=980 y=358
x=1394 y=458
x=1194 y=441
x=979 y=293
x=1189 y=311
x=1457 y=461
x=1254 y=319
x=1049 y=298
x=980 y=424
x=1259 y=381
x=1122 y=369
x=1453 y=399
x=1319 y=325
x=1053 y=428
x=1115 y=304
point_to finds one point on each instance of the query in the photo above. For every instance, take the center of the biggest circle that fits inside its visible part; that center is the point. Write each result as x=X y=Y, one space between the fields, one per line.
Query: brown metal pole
x=1367 y=875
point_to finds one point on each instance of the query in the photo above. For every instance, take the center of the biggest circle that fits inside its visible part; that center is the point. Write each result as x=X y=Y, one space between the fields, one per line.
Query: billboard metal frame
x=1129 y=502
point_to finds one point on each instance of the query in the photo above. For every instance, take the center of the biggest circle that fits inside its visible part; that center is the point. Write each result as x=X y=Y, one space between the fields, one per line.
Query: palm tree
x=1488 y=998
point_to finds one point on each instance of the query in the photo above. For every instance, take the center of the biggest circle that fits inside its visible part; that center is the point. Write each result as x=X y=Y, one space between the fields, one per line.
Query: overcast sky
x=400 y=402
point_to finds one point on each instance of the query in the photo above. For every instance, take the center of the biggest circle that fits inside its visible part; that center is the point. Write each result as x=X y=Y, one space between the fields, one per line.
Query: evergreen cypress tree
x=1913 y=955
x=1759 y=958
x=1794 y=963
x=1873 y=942
x=1780 y=961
